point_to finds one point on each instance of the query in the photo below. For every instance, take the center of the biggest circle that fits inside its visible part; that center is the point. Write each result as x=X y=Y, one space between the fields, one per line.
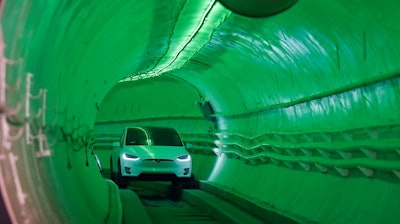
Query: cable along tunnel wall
x=306 y=103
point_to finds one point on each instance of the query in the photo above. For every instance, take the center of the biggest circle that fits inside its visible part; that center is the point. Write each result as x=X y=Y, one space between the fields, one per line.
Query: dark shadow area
x=4 y=218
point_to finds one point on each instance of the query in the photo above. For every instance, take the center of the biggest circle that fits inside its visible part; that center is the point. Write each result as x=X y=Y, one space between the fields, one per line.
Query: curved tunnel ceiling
x=307 y=101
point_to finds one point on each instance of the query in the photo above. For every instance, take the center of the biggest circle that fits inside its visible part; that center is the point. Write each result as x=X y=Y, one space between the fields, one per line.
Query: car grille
x=158 y=160
x=158 y=163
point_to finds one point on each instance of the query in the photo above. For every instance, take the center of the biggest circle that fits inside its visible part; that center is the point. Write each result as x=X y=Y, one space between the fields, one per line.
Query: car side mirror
x=116 y=145
x=189 y=145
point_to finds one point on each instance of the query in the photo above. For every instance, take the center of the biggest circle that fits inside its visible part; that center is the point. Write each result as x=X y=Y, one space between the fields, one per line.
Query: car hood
x=156 y=152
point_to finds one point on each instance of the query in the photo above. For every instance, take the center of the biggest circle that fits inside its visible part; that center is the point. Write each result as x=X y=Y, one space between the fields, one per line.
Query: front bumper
x=181 y=169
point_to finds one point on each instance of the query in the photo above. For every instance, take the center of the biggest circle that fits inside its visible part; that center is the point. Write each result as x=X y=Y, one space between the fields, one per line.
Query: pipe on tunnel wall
x=310 y=111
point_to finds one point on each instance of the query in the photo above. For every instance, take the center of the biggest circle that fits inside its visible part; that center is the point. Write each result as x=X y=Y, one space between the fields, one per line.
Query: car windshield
x=153 y=136
x=136 y=136
x=165 y=136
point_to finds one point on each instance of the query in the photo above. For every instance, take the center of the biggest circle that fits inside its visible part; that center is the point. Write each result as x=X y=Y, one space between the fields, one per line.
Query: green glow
x=181 y=50
x=306 y=103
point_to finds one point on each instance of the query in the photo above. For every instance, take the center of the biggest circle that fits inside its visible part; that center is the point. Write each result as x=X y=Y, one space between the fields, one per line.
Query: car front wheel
x=190 y=183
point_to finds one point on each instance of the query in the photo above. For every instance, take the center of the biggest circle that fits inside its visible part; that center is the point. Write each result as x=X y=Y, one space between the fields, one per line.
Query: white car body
x=150 y=152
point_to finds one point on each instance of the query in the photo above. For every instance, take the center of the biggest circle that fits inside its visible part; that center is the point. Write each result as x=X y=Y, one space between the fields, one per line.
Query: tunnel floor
x=163 y=205
x=162 y=209
x=159 y=202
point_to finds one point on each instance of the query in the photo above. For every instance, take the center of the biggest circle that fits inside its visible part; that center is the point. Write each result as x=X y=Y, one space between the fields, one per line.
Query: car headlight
x=127 y=156
x=183 y=158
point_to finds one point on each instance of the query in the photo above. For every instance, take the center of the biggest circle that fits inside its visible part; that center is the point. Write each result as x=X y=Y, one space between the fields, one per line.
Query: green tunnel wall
x=306 y=103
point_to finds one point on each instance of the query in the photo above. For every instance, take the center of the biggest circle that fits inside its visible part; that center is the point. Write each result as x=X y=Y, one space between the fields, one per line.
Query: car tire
x=176 y=182
x=121 y=181
x=175 y=190
x=190 y=183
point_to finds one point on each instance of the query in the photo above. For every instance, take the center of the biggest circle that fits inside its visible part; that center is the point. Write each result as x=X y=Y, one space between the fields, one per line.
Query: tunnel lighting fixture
x=177 y=55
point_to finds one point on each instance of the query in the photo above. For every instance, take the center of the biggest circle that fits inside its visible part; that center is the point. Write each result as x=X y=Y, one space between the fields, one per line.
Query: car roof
x=151 y=127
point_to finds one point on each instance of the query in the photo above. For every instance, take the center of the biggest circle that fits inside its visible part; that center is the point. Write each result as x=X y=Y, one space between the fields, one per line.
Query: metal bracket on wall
x=40 y=136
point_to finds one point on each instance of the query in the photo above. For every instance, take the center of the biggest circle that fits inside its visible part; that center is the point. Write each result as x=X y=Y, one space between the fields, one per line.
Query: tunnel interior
x=296 y=108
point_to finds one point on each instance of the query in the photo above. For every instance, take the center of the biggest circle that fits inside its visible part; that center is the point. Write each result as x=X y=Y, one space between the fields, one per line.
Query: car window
x=121 y=140
x=136 y=136
x=166 y=137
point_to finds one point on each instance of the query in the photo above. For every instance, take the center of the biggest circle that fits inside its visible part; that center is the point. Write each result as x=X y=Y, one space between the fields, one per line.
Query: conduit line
x=196 y=30
x=181 y=49
x=316 y=96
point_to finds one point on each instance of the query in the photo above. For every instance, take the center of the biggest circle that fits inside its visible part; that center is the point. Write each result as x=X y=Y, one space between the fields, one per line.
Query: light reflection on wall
x=218 y=167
